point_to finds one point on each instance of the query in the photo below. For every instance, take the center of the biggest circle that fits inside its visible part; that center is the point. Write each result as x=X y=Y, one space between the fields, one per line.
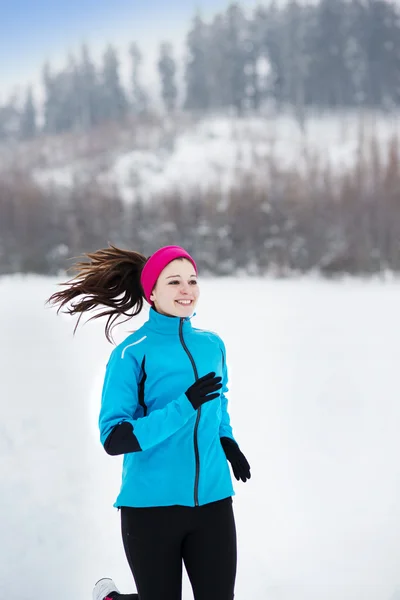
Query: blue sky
x=33 y=31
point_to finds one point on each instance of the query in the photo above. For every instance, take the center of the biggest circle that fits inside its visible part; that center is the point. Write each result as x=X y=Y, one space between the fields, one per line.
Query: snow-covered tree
x=167 y=72
x=87 y=90
x=60 y=109
x=114 y=103
x=237 y=47
x=10 y=119
x=379 y=36
x=28 y=124
x=329 y=80
x=227 y=55
x=140 y=100
x=198 y=67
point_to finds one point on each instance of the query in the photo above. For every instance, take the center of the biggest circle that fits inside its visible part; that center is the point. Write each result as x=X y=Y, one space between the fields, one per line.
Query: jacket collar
x=167 y=325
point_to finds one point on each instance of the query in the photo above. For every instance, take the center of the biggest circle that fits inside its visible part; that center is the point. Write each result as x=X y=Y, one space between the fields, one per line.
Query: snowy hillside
x=216 y=151
x=314 y=403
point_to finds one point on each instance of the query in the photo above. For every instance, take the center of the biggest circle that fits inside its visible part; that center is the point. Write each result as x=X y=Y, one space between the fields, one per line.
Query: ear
x=152 y=298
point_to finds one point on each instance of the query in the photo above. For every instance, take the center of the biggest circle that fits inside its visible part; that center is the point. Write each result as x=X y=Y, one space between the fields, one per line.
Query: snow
x=216 y=151
x=60 y=177
x=314 y=405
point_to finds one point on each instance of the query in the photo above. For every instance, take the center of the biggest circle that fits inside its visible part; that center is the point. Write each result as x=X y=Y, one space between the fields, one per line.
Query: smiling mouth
x=184 y=302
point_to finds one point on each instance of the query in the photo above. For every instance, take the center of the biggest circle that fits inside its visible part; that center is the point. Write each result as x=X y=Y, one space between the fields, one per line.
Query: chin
x=184 y=311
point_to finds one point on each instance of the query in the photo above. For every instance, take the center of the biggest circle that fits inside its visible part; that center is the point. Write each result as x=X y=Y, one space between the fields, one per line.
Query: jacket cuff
x=227 y=442
x=186 y=407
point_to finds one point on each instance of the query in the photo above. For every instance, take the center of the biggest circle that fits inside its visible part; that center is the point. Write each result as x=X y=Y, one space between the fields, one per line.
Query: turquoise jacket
x=180 y=460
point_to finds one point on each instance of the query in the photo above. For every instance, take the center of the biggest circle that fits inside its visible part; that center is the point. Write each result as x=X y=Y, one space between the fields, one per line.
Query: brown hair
x=111 y=278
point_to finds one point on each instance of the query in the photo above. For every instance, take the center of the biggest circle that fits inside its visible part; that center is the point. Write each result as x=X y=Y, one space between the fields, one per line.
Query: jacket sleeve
x=225 y=429
x=120 y=400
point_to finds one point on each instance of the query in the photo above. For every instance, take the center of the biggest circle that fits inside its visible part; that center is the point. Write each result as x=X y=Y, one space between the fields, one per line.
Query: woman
x=164 y=408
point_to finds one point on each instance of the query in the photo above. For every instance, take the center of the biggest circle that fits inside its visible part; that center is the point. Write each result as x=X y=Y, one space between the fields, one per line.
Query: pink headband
x=156 y=263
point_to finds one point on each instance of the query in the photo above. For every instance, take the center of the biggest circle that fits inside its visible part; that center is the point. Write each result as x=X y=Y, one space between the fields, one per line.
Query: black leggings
x=157 y=541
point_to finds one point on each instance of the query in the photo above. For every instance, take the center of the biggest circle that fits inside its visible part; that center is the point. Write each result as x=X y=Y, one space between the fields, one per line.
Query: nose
x=184 y=288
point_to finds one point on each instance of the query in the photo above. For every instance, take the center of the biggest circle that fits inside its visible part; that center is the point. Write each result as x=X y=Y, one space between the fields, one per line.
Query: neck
x=167 y=324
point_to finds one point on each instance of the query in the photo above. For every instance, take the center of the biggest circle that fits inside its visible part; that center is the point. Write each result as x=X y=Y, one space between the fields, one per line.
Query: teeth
x=184 y=301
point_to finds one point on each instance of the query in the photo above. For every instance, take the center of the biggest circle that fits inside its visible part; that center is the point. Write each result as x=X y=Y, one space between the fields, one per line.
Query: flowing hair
x=110 y=279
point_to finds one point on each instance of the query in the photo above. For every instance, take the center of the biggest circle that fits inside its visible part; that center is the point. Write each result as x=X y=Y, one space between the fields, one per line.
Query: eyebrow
x=175 y=276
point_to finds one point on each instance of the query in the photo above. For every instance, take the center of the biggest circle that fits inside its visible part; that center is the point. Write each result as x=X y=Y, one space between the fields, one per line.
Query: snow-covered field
x=217 y=150
x=314 y=404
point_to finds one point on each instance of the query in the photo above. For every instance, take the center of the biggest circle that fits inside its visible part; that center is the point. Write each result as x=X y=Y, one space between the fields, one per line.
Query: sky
x=33 y=31
x=314 y=405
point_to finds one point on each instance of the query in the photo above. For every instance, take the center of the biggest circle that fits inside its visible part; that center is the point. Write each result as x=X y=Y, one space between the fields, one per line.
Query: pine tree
x=329 y=82
x=88 y=91
x=296 y=31
x=236 y=56
x=274 y=51
x=60 y=106
x=114 y=103
x=381 y=42
x=50 y=108
x=198 y=67
x=140 y=100
x=67 y=83
x=356 y=56
x=28 y=125
x=228 y=55
x=255 y=57
x=167 y=71
x=10 y=119
x=258 y=66
x=219 y=72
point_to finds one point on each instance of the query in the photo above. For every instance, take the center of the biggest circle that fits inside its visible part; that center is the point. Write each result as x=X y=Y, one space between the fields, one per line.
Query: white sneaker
x=104 y=587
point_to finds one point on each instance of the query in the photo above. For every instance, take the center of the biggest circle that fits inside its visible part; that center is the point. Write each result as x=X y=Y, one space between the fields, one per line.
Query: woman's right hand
x=203 y=390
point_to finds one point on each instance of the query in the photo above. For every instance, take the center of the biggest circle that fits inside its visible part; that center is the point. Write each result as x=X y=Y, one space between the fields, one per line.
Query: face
x=176 y=291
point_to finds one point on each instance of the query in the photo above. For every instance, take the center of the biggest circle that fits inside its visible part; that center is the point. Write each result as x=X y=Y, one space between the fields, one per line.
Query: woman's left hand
x=240 y=466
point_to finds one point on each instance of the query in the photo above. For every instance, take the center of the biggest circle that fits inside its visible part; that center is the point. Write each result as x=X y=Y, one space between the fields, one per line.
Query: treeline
x=328 y=54
x=292 y=221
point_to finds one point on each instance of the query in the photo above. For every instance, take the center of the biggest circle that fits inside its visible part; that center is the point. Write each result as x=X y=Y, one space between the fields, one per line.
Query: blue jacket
x=180 y=460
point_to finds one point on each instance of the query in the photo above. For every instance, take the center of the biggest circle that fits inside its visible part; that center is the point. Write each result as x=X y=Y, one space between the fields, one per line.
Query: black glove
x=240 y=466
x=203 y=390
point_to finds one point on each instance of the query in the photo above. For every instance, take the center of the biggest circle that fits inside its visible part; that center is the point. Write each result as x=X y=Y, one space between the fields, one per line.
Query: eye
x=193 y=282
x=175 y=282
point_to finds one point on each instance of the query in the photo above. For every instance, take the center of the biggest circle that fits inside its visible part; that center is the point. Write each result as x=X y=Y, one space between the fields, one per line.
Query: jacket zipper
x=196 y=427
